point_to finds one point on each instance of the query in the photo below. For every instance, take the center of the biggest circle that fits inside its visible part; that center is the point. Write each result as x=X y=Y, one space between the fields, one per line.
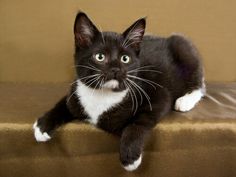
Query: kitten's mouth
x=111 y=84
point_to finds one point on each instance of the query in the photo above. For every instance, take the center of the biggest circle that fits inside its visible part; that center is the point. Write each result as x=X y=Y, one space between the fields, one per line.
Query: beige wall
x=36 y=40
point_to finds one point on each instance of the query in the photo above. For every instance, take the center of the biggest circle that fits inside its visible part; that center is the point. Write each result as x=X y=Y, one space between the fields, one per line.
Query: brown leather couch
x=36 y=59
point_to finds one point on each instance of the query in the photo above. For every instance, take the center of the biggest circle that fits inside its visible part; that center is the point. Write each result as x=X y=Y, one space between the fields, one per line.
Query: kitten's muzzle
x=114 y=73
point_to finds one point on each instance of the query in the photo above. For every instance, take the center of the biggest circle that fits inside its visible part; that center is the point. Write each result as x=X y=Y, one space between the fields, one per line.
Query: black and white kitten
x=125 y=83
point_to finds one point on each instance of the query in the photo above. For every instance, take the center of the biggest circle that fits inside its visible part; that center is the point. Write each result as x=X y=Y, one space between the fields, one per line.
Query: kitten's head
x=104 y=59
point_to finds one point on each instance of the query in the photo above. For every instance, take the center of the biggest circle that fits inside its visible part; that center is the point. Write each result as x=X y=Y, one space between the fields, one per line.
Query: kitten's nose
x=115 y=70
x=113 y=73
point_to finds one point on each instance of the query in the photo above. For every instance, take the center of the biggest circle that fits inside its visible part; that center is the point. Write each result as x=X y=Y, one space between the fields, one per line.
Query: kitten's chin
x=111 y=84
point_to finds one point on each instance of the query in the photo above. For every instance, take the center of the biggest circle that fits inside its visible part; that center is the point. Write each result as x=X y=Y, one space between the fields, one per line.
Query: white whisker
x=130 y=93
x=73 y=82
x=97 y=78
x=88 y=67
x=142 y=67
x=143 y=70
x=68 y=99
x=135 y=97
x=94 y=67
x=145 y=94
x=87 y=77
x=141 y=97
x=152 y=83
x=96 y=86
x=102 y=84
x=91 y=80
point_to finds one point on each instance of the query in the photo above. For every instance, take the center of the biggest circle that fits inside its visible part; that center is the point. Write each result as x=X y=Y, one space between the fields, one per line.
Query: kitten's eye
x=100 y=57
x=125 y=59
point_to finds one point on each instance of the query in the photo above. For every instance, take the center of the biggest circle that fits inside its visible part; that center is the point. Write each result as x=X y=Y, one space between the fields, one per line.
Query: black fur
x=178 y=71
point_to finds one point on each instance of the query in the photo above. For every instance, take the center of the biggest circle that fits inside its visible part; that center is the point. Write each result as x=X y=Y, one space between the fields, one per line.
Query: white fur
x=189 y=100
x=134 y=165
x=40 y=136
x=111 y=84
x=96 y=102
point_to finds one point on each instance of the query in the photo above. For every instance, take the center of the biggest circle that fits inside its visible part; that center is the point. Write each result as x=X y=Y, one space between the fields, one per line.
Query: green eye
x=125 y=59
x=100 y=57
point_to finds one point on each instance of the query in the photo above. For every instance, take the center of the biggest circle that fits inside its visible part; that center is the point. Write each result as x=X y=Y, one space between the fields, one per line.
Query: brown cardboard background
x=36 y=40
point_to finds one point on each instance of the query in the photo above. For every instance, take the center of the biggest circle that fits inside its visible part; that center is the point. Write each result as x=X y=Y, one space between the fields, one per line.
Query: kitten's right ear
x=134 y=34
x=84 y=30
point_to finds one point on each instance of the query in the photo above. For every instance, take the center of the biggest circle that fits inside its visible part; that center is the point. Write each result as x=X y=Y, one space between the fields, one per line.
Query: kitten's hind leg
x=189 y=72
x=189 y=100
x=45 y=125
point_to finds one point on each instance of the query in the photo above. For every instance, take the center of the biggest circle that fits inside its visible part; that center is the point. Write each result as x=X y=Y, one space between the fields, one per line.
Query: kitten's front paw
x=134 y=165
x=39 y=135
x=130 y=159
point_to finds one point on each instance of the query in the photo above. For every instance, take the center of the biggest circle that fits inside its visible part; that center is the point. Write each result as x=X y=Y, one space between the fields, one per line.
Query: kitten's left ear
x=134 y=34
x=84 y=30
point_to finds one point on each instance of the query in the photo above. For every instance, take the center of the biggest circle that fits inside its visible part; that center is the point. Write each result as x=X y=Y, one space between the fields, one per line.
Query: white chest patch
x=96 y=102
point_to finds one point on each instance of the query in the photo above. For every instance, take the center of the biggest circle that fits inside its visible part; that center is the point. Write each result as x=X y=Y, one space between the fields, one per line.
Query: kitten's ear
x=84 y=30
x=134 y=34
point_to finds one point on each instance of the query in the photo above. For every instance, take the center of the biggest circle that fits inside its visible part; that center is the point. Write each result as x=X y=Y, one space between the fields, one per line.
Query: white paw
x=183 y=104
x=40 y=136
x=134 y=165
x=188 y=101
